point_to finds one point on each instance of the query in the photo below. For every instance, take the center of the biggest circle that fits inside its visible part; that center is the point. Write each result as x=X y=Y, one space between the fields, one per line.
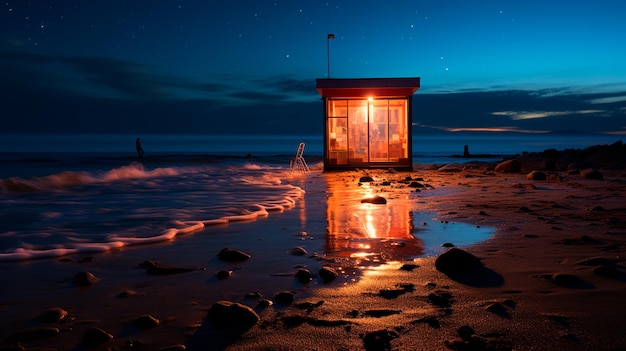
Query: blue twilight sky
x=241 y=67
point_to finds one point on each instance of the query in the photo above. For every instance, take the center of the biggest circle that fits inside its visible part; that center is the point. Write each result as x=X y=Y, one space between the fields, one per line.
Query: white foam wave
x=288 y=200
x=134 y=170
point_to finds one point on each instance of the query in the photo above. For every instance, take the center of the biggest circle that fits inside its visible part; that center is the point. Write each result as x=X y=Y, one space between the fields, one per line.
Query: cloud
x=494 y=129
x=608 y=100
x=110 y=78
x=521 y=115
x=48 y=93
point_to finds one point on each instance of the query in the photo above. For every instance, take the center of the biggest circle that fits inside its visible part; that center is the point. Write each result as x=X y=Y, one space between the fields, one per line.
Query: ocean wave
x=193 y=198
x=66 y=179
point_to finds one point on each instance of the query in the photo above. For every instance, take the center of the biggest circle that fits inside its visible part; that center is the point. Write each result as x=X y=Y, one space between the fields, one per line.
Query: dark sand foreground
x=553 y=276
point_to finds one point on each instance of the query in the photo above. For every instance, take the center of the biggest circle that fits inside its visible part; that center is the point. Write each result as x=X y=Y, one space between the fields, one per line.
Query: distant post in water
x=466 y=151
x=330 y=36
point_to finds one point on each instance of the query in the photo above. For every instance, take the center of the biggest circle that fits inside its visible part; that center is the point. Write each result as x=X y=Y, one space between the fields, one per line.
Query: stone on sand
x=298 y=251
x=230 y=255
x=509 y=166
x=52 y=315
x=591 y=173
x=457 y=262
x=95 y=336
x=85 y=279
x=304 y=275
x=536 y=175
x=284 y=297
x=233 y=315
x=145 y=322
x=378 y=200
x=328 y=274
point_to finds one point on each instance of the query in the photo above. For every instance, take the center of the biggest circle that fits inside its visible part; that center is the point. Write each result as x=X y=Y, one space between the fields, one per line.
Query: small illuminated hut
x=367 y=122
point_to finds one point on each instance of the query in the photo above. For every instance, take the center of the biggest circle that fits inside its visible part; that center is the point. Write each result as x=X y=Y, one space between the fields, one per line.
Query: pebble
x=52 y=315
x=328 y=274
x=233 y=315
x=95 y=336
x=85 y=279
x=231 y=255
x=284 y=297
x=145 y=322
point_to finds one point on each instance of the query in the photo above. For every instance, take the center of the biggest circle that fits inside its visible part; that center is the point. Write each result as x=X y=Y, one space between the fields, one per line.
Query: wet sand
x=552 y=275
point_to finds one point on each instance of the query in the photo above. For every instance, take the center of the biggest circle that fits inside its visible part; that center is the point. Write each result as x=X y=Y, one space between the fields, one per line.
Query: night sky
x=241 y=67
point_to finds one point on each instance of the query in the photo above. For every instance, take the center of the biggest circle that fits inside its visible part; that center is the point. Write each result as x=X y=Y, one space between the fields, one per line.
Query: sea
x=67 y=194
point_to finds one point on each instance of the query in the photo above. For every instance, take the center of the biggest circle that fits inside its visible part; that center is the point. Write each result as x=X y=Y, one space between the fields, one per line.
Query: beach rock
x=233 y=315
x=466 y=332
x=223 y=274
x=440 y=298
x=536 y=175
x=416 y=185
x=263 y=303
x=253 y=295
x=498 y=308
x=298 y=251
x=591 y=173
x=85 y=279
x=379 y=340
x=95 y=336
x=328 y=274
x=153 y=267
x=509 y=166
x=378 y=200
x=304 y=275
x=457 y=262
x=145 y=322
x=32 y=334
x=450 y=167
x=285 y=297
x=230 y=255
x=52 y=315
x=127 y=293
x=366 y=179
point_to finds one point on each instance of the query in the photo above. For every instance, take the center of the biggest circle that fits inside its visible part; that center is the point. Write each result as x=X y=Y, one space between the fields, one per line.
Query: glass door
x=379 y=130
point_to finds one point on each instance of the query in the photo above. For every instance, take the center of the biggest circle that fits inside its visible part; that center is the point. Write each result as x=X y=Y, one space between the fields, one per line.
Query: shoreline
x=543 y=229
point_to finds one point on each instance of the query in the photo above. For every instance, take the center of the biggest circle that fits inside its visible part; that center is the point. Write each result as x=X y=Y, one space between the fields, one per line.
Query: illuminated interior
x=366 y=131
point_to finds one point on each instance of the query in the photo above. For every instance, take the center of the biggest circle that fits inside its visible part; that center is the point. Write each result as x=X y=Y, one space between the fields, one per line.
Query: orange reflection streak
x=358 y=229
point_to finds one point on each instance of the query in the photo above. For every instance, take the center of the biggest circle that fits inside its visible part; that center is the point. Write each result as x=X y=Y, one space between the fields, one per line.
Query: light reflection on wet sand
x=369 y=231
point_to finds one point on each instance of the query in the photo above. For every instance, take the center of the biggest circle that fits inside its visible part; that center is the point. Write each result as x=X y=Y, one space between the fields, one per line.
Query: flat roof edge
x=356 y=83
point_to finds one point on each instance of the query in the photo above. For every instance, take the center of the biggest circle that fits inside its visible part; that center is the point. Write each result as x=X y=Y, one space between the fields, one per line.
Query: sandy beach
x=551 y=277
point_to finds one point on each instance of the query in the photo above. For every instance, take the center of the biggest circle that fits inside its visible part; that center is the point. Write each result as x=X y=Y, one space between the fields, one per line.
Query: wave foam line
x=187 y=227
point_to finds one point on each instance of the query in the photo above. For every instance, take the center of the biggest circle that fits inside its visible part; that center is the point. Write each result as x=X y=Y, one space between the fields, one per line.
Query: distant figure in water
x=466 y=152
x=139 y=148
